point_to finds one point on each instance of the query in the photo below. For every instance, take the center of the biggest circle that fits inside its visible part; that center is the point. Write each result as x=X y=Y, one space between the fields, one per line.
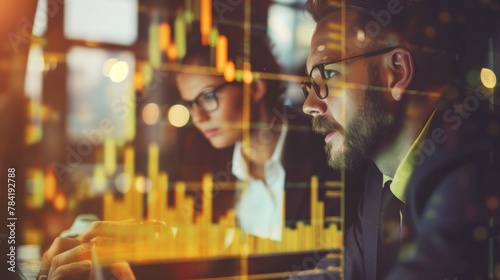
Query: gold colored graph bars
x=196 y=235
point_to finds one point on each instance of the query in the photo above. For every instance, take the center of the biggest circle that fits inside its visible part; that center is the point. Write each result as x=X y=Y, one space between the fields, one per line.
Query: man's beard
x=364 y=134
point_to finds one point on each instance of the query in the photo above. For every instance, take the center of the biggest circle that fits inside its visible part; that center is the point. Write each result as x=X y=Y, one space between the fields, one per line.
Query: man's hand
x=71 y=258
x=67 y=258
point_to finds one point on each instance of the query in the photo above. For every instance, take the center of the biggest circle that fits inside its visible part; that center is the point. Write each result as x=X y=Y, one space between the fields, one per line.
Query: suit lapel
x=370 y=221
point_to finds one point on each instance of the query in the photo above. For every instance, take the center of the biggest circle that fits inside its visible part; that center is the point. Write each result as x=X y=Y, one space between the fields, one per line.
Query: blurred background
x=91 y=120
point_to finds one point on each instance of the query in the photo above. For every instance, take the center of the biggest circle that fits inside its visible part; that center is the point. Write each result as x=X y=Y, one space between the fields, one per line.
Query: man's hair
x=261 y=57
x=427 y=28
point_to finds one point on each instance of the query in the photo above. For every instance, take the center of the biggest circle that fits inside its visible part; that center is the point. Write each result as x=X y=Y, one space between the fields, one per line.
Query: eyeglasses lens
x=208 y=102
x=318 y=83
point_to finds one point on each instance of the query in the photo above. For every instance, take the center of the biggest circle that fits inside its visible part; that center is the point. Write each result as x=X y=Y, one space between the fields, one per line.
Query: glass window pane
x=99 y=84
x=109 y=21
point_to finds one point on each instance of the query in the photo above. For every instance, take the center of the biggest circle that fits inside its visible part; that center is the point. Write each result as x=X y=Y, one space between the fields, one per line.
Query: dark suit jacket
x=452 y=211
x=450 y=220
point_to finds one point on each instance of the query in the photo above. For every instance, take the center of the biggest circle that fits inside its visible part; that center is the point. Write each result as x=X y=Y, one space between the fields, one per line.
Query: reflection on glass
x=106 y=21
x=98 y=105
x=42 y=12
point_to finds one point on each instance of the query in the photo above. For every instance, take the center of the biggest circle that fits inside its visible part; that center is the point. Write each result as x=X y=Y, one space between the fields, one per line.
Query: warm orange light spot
x=138 y=80
x=221 y=53
x=205 y=20
x=430 y=31
x=49 y=184
x=445 y=17
x=172 y=52
x=247 y=76
x=230 y=72
x=164 y=36
x=151 y=113
x=492 y=203
x=60 y=202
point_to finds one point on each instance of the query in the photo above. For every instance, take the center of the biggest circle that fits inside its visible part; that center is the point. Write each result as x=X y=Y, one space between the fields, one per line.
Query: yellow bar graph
x=221 y=53
x=109 y=155
x=164 y=34
x=129 y=158
x=163 y=193
x=207 y=187
x=197 y=235
x=205 y=20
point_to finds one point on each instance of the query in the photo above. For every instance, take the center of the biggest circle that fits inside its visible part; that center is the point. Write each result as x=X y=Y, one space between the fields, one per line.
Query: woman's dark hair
x=261 y=57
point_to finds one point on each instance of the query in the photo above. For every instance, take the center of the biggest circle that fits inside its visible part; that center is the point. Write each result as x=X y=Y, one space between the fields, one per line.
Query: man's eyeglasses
x=207 y=100
x=321 y=73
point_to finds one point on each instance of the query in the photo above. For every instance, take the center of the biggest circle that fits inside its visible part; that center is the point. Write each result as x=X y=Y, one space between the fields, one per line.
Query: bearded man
x=383 y=86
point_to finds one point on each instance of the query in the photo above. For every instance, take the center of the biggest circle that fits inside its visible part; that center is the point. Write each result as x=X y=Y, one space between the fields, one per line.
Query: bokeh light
x=106 y=67
x=151 y=113
x=488 y=78
x=230 y=71
x=142 y=184
x=430 y=32
x=178 y=115
x=492 y=202
x=247 y=76
x=60 y=202
x=445 y=17
x=119 y=71
x=480 y=233
x=360 y=35
x=50 y=185
x=172 y=52
x=123 y=182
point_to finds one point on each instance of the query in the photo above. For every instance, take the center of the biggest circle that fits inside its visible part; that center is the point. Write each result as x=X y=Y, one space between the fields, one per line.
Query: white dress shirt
x=260 y=207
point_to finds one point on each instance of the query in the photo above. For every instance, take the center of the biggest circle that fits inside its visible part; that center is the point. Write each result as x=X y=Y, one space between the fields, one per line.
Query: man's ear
x=258 y=89
x=399 y=64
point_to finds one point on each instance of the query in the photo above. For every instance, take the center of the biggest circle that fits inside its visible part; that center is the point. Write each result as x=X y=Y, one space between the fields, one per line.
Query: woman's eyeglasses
x=207 y=100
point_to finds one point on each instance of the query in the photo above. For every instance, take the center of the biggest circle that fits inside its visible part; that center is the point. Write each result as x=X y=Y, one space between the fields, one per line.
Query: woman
x=281 y=147
x=283 y=153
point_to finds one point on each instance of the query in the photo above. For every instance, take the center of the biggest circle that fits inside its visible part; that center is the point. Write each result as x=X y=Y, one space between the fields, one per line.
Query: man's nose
x=313 y=105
